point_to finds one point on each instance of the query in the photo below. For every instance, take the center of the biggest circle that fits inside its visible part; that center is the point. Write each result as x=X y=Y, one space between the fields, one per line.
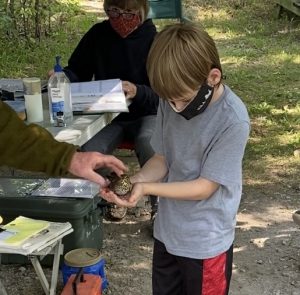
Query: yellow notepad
x=24 y=228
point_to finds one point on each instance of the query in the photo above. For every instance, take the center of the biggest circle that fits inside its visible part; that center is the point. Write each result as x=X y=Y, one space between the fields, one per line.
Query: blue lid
x=57 y=66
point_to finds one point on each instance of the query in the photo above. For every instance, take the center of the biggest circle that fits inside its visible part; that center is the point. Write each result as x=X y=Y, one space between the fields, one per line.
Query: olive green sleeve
x=31 y=147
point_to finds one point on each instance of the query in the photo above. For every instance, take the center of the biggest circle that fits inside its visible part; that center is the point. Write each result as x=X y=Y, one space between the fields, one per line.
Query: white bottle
x=33 y=100
x=59 y=93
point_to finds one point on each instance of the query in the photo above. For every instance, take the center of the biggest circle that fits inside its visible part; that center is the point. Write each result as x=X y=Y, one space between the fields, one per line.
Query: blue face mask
x=198 y=104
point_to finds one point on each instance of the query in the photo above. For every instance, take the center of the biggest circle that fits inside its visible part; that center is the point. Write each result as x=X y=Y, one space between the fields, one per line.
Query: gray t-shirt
x=210 y=145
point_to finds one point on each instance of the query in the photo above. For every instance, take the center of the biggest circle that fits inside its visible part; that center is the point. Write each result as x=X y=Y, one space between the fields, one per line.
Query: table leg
x=2 y=289
x=40 y=273
x=49 y=290
x=58 y=250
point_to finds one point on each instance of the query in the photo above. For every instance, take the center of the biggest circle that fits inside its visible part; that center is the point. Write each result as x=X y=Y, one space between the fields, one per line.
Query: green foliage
x=260 y=54
x=34 y=18
x=23 y=57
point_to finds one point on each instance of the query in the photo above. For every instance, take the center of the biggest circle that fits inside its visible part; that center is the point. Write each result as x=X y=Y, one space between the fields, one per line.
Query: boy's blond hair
x=180 y=60
x=141 y=5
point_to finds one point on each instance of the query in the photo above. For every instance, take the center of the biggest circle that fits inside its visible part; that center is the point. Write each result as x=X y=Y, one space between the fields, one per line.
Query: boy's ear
x=214 y=77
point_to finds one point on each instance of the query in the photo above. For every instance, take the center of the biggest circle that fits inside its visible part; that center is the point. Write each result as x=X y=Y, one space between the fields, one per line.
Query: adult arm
x=33 y=148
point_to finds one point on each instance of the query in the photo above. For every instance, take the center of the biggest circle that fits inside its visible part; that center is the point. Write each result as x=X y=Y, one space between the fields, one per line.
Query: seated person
x=118 y=48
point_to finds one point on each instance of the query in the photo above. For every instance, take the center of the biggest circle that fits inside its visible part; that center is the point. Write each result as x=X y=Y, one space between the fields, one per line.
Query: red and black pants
x=176 y=275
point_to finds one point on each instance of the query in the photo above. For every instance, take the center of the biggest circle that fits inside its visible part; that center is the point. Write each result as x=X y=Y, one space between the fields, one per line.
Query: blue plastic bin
x=96 y=269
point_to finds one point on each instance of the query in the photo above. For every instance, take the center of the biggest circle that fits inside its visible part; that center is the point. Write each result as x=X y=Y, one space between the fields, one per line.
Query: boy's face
x=179 y=103
x=193 y=103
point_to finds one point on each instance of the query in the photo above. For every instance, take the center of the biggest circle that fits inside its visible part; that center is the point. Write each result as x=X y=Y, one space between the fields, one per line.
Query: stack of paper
x=98 y=97
x=23 y=228
x=14 y=86
x=36 y=242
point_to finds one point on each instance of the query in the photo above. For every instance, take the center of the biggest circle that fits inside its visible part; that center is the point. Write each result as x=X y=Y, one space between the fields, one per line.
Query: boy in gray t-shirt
x=201 y=132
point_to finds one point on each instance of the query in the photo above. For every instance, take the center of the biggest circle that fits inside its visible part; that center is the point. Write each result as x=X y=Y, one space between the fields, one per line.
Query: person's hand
x=129 y=89
x=129 y=200
x=108 y=195
x=50 y=73
x=83 y=165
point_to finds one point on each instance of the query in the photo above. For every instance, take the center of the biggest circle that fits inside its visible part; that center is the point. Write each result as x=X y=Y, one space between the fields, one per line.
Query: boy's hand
x=129 y=200
x=108 y=195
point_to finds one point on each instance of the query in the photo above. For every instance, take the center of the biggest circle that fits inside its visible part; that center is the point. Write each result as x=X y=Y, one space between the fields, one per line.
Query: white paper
x=13 y=85
x=98 y=96
x=96 y=88
x=55 y=231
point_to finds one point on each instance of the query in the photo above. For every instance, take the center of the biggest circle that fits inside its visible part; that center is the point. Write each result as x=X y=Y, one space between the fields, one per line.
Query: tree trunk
x=24 y=20
x=10 y=11
x=37 y=19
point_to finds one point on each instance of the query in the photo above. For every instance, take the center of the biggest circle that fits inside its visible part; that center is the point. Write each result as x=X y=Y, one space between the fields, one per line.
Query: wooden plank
x=291 y=5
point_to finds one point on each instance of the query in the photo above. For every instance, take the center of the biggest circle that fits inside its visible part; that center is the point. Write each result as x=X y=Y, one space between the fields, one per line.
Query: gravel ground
x=123 y=268
x=266 y=252
x=127 y=251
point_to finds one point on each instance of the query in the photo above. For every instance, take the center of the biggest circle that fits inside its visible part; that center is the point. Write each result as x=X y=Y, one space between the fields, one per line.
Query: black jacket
x=103 y=54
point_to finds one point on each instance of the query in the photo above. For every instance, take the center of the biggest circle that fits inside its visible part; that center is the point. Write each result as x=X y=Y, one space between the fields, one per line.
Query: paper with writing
x=98 y=96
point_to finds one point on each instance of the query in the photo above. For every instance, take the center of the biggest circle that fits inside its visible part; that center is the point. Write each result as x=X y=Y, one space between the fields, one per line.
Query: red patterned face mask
x=123 y=23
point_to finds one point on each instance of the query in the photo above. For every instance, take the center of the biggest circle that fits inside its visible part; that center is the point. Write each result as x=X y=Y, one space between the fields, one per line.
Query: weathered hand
x=83 y=165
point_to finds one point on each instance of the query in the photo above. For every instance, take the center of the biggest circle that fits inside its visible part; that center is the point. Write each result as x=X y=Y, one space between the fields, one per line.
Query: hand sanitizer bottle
x=59 y=93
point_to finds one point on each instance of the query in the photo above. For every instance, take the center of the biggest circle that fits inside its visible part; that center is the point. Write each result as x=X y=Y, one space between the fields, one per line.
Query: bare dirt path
x=94 y=6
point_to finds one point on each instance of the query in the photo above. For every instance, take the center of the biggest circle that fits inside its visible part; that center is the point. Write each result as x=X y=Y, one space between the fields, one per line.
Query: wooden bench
x=290 y=5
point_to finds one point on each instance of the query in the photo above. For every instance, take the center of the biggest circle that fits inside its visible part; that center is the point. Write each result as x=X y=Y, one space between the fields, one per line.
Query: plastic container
x=33 y=100
x=89 y=285
x=85 y=215
x=60 y=101
x=87 y=258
